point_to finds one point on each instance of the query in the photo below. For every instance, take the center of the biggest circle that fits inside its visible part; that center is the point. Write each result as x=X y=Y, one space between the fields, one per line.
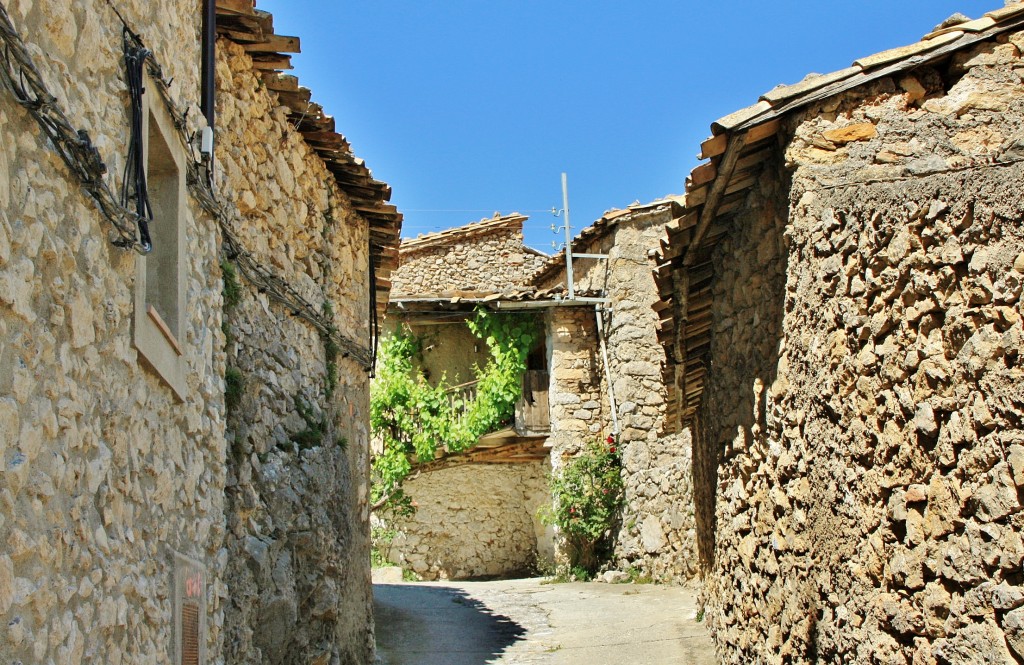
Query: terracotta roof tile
x=809 y=84
x=977 y=25
x=904 y=52
x=461 y=232
x=737 y=118
x=1006 y=12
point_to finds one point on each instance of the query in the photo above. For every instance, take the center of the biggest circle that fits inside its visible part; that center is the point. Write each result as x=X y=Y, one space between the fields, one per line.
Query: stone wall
x=449 y=350
x=492 y=259
x=863 y=420
x=498 y=501
x=657 y=535
x=575 y=393
x=104 y=473
x=298 y=468
x=474 y=521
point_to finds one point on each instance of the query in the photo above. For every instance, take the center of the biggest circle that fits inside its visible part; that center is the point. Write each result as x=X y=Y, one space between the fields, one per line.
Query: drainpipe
x=599 y=314
x=208 y=87
x=208 y=61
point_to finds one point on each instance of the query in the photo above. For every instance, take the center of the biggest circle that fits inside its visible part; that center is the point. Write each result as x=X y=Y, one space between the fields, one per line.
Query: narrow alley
x=530 y=621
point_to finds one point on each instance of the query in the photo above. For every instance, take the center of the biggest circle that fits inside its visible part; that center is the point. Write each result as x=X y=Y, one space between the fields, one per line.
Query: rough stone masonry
x=656 y=536
x=297 y=515
x=141 y=518
x=104 y=473
x=859 y=452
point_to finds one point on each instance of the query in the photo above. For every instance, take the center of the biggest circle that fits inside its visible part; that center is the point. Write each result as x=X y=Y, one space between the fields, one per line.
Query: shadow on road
x=418 y=625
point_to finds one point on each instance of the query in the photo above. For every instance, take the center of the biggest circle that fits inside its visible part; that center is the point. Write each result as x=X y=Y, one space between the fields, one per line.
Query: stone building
x=477 y=512
x=841 y=315
x=487 y=256
x=145 y=517
x=467 y=270
x=626 y=397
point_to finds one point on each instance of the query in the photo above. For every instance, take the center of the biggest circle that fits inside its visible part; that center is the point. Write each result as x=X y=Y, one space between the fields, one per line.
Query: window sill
x=164 y=329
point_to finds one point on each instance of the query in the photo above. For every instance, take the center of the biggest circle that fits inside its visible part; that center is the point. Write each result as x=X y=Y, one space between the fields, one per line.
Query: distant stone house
x=841 y=313
x=566 y=400
x=476 y=512
x=146 y=517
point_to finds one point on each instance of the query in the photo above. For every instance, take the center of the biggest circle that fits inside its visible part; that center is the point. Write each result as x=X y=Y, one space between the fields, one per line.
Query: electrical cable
x=133 y=184
x=19 y=75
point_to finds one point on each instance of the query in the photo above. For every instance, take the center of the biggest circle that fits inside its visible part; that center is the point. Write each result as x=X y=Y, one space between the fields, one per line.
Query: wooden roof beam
x=716 y=193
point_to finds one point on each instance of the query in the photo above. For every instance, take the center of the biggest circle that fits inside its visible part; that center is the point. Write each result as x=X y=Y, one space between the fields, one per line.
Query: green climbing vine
x=411 y=419
x=331 y=351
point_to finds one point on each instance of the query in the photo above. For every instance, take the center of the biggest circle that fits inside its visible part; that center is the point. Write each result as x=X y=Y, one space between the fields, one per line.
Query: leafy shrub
x=587 y=495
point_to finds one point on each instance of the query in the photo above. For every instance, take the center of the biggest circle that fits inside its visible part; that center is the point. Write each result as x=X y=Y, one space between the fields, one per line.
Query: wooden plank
x=242 y=7
x=297 y=101
x=696 y=197
x=243 y=36
x=239 y=23
x=753 y=158
x=713 y=146
x=164 y=329
x=271 y=63
x=763 y=131
x=282 y=82
x=326 y=138
x=738 y=185
x=701 y=175
x=275 y=44
x=265 y=19
x=532 y=411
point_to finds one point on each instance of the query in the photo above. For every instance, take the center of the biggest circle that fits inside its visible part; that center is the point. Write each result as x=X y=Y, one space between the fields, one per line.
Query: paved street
x=525 y=621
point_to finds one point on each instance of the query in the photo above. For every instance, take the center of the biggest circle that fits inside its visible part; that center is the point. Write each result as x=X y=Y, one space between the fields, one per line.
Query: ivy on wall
x=412 y=420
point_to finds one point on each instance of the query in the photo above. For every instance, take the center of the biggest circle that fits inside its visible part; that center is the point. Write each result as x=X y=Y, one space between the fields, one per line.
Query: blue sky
x=469 y=107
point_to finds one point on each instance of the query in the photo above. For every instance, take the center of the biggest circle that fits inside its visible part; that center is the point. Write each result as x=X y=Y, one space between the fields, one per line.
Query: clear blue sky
x=477 y=106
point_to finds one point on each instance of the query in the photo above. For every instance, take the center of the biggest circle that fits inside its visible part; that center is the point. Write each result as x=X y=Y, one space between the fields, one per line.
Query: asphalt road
x=526 y=621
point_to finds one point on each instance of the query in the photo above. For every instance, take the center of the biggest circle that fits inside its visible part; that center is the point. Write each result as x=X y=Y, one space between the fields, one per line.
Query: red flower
x=610 y=439
x=612 y=449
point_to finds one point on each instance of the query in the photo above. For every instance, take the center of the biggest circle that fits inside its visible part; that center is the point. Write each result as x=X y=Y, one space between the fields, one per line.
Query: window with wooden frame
x=159 y=276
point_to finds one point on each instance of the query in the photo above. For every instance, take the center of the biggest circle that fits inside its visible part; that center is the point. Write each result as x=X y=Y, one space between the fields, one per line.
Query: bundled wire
x=130 y=215
x=133 y=186
x=19 y=75
x=277 y=289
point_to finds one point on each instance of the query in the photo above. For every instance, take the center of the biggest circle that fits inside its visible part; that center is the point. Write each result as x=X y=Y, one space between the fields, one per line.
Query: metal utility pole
x=568 y=238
